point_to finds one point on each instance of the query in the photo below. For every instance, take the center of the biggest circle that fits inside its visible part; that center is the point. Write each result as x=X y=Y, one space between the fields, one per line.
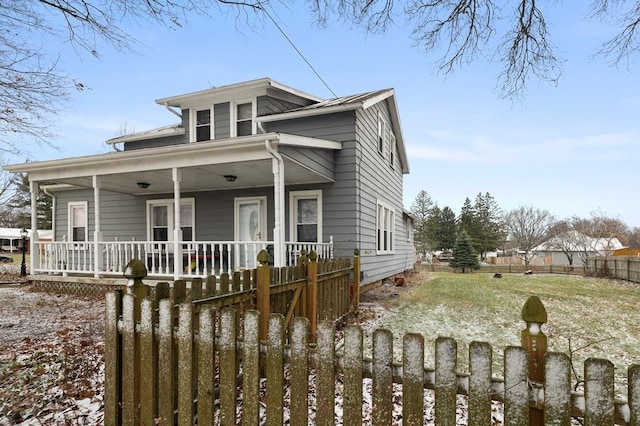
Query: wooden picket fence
x=191 y=364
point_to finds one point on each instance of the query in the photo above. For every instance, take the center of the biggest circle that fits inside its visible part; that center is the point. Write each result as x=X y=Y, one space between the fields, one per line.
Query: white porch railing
x=199 y=259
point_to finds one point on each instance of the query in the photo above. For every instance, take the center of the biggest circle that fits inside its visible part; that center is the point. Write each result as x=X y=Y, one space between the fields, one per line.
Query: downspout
x=278 y=194
x=172 y=111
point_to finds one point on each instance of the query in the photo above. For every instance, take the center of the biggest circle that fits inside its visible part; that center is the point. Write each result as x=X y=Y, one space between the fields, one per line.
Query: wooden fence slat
x=128 y=362
x=206 y=366
x=299 y=371
x=112 y=359
x=382 y=380
x=147 y=363
x=352 y=371
x=480 y=361
x=446 y=382
x=557 y=389
x=412 y=379
x=516 y=387
x=599 y=392
x=228 y=370
x=186 y=374
x=166 y=357
x=325 y=374
x=251 y=369
x=275 y=370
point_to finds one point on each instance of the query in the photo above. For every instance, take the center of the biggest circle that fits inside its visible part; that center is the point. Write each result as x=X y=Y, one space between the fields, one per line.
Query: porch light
x=143 y=185
x=230 y=178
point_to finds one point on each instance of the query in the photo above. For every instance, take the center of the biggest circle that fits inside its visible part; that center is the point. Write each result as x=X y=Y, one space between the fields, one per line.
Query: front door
x=250 y=229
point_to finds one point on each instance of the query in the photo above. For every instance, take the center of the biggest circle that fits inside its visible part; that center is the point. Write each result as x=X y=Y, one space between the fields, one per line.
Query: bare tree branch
x=527 y=52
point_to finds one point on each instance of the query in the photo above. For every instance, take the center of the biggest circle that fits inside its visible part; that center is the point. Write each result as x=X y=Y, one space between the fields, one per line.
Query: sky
x=570 y=148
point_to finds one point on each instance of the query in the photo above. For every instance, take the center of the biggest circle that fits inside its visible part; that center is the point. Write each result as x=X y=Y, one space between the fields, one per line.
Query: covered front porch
x=191 y=260
x=188 y=210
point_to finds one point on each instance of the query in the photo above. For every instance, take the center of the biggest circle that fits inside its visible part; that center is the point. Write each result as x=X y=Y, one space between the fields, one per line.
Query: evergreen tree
x=446 y=229
x=488 y=230
x=421 y=209
x=464 y=255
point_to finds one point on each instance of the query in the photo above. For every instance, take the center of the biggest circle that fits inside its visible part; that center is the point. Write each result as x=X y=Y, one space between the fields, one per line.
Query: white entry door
x=250 y=228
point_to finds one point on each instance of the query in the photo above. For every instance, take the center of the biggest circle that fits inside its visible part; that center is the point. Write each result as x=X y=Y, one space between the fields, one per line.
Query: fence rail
x=514 y=268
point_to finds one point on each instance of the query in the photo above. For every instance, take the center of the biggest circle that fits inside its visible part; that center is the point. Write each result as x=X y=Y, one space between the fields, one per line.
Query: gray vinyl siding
x=340 y=199
x=124 y=217
x=222 y=120
x=318 y=160
x=379 y=181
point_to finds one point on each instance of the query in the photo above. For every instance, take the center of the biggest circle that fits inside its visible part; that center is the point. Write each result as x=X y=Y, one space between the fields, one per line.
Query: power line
x=264 y=9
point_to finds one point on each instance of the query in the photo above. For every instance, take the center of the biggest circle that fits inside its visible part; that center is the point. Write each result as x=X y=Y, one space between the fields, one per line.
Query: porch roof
x=202 y=165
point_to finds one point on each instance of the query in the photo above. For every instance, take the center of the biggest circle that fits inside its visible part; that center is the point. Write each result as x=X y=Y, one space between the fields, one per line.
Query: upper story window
x=203 y=125
x=392 y=148
x=78 y=221
x=244 y=119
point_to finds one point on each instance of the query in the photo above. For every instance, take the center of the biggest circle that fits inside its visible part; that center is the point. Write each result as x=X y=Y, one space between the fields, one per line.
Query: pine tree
x=21 y=204
x=464 y=255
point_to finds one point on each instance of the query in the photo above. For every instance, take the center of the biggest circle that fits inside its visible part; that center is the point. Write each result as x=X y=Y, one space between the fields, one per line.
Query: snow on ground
x=52 y=367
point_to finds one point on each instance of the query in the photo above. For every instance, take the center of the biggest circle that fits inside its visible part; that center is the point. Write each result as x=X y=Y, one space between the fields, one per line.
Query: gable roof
x=252 y=85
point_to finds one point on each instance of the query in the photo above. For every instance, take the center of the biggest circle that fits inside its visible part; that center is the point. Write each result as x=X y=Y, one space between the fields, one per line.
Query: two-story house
x=249 y=166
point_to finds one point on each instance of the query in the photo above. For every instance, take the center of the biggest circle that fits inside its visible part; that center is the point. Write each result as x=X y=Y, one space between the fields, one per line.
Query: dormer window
x=203 y=125
x=244 y=119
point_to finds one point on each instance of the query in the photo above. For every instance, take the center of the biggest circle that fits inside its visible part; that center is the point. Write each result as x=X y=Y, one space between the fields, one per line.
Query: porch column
x=177 y=229
x=33 y=247
x=97 y=230
x=278 y=230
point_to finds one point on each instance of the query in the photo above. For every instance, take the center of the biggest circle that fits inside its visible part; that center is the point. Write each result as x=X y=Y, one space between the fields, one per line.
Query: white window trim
x=170 y=216
x=193 y=119
x=293 y=211
x=392 y=148
x=70 y=207
x=391 y=224
x=234 y=115
x=380 y=134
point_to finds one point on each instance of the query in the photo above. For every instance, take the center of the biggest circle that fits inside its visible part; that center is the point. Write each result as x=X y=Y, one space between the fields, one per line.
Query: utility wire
x=264 y=9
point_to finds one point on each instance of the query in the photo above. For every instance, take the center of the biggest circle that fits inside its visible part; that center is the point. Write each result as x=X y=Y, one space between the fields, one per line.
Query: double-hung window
x=203 y=125
x=161 y=221
x=244 y=119
x=385 y=229
x=78 y=221
x=306 y=214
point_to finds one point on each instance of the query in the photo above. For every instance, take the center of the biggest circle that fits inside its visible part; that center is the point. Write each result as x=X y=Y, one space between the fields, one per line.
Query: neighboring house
x=11 y=238
x=249 y=166
x=577 y=246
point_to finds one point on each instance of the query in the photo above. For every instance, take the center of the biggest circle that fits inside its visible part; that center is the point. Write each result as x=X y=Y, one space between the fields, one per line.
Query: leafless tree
x=512 y=32
x=528 y=228
x=32 y=84
x=562 y=239
x=596 y=234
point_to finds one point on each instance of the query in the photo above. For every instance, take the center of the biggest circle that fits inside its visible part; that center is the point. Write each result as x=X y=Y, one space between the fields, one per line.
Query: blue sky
x=571 y=149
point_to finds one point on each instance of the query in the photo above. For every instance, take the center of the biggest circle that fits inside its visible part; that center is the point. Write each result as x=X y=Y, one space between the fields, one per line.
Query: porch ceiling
x=250 y=174
x=202 y=166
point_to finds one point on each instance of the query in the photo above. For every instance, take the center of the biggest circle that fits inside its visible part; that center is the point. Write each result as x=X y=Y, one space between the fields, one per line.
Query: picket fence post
x=535 y=342
x=263 y=277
